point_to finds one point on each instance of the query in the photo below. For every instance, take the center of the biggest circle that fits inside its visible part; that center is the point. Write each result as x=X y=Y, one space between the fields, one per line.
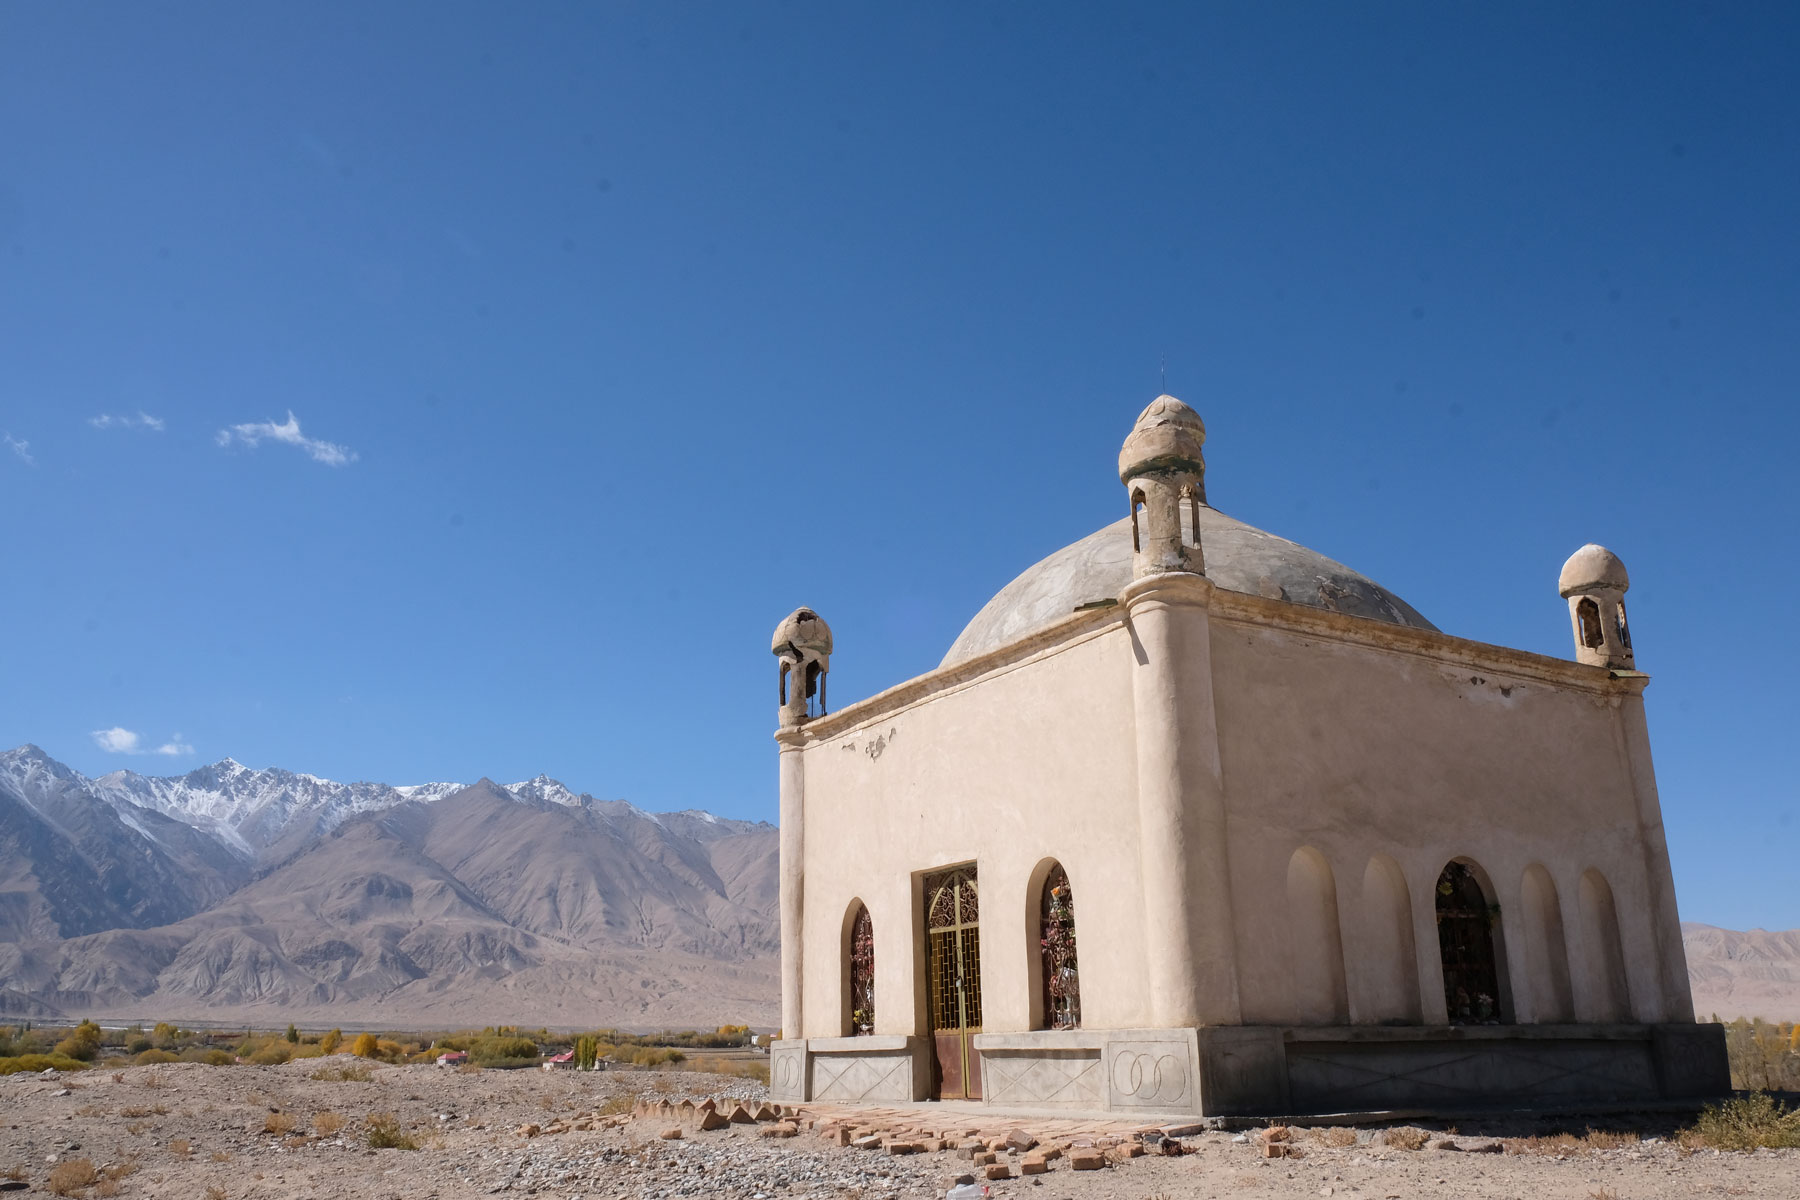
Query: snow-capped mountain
x=259 y=814
x=254 y=811
x=241 y=891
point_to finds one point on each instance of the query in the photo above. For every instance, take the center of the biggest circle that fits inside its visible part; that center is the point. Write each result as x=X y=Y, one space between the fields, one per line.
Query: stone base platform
x=1265 y=1071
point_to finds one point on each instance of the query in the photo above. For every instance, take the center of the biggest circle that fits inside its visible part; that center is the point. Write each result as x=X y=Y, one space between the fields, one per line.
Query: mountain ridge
x=444 y=903
x=293 y=894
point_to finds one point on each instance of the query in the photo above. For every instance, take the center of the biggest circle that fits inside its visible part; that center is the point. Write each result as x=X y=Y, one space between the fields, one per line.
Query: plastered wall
x=1356 y=752
x=1031 y=763
x=1352 y=774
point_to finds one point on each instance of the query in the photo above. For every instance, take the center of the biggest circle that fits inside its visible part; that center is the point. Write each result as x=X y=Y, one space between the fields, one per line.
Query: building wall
x=1032 y=762
x=1363 y=758
x=1356 y=762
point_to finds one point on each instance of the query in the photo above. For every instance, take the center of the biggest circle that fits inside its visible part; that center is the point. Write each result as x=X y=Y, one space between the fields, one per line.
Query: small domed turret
x=1161 y=466
x=1590 y=567
x=1594 y=582
x=1167 y=438
x=803 y=644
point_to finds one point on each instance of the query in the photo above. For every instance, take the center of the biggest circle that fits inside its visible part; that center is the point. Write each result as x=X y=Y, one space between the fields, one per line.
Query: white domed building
x=1192 y=820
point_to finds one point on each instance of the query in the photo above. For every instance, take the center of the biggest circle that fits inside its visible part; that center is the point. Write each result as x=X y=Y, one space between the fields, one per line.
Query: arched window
x=1465 y=921
x=862 y=973
x=1056 y=945
x=1588 y=613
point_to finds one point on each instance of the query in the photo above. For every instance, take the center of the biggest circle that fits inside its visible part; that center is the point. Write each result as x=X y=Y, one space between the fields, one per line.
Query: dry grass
x=154 y=1080
x=91 y=1110
x=215 y=1192
x=182 y=1147
x=350 y=1074
x=1407 y=1137
x=1564 y=1144
x=278 y=1122
x=1337 y=1135
x=327 y=1123
x=615 y=1105
x=108 y=1182
x=1603 y=1193
x=384 y=1133
x=469 y=1068
x=67 y=1178
x=136 y=1128
x=737 y=1068
x=221 y=1156
x=1756 y=1121
x=153 y=1111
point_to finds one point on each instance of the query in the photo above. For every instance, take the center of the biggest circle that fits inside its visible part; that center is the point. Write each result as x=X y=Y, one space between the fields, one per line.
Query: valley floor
x=191 y=1132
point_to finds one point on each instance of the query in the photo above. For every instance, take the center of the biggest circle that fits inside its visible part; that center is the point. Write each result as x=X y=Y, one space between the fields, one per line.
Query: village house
x=1194 y=820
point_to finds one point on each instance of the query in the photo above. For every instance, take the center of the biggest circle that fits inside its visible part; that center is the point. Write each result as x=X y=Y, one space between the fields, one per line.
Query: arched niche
x=1389 y=961
x=1605 y=960
x=1315 y=942
x=1546 y=952
x=1471 y=946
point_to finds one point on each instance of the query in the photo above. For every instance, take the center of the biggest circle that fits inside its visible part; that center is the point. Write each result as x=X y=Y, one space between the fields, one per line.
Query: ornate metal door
x=953 y=956
x=1465 y=924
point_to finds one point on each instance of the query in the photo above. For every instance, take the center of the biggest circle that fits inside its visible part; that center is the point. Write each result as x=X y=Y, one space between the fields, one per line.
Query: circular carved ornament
x=787 y=1073
x=1149 y=1078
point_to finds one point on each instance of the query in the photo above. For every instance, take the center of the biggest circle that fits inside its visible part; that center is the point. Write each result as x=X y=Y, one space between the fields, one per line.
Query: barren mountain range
x=266 y=896
x=235 y=894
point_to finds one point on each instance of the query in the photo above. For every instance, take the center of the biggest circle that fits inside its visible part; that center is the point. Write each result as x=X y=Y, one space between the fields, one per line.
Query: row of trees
x=493 y=1046
x=1765 y=1055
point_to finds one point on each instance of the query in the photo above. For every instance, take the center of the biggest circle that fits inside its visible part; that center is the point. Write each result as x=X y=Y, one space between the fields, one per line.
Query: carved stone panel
x=1153 y=1075
x=857 y=1079
x=787 y=1073
x=1348 y=1077
x=1045 y=1078
x=1691 y=1061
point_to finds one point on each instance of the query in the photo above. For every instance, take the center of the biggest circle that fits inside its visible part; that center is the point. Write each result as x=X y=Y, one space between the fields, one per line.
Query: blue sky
x=610 y=334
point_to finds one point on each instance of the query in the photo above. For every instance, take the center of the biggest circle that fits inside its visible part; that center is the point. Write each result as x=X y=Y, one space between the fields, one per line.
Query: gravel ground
x=189 y=1132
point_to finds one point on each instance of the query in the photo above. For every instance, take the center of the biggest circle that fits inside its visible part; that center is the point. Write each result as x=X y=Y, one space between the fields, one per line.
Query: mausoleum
x=1194 y=820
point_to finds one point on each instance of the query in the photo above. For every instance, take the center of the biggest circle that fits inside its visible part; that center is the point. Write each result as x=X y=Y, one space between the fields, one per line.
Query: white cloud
x=329 y=453
x=143 y=420
x=21 y=448
x=118 y=740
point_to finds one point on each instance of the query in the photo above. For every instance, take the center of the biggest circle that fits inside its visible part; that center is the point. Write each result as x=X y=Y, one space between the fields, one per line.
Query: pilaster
x=792 y=744
x=1192 y=960
x=1676 y=999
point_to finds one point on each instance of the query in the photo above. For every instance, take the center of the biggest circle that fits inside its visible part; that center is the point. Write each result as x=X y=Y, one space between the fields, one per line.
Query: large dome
x=1239 y=557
